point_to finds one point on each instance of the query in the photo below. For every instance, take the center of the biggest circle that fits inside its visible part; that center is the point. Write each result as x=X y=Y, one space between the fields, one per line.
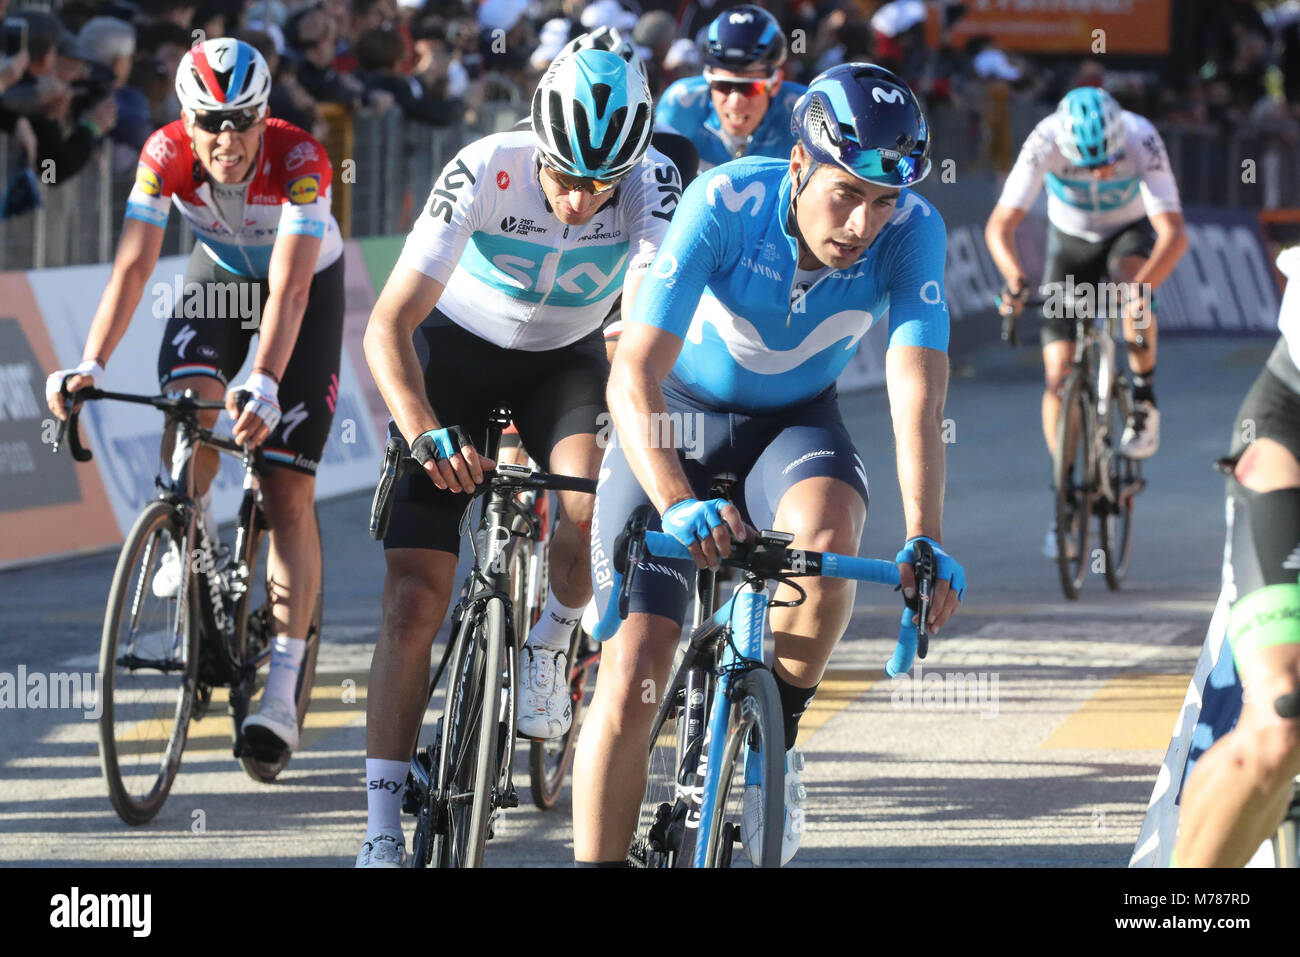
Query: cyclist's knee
x=1273 y=746
x=416 y=594
x=288 y=497
x=1267 y=465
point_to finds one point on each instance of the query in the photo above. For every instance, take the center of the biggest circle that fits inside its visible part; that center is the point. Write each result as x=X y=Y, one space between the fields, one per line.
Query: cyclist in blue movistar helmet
x=740 y=106
x=1091 y=127
x=866 y=121
x=755 y=304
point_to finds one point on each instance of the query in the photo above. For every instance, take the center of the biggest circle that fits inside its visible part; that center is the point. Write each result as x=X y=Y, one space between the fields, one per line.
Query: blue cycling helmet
x=592 y=114
x=1090 y=127
x=863 y=119
x=742 y=38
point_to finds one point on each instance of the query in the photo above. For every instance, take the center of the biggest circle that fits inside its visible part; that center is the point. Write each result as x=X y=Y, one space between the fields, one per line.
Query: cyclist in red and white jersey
x=256 y=192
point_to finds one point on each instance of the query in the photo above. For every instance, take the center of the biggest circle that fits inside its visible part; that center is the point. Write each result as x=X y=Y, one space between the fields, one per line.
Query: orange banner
x=1080 y=27
x=48 y=505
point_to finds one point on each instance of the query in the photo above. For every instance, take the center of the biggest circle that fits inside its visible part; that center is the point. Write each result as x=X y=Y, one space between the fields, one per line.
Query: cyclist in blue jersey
x=740 y=106
x=498 y=298
x=771 y=273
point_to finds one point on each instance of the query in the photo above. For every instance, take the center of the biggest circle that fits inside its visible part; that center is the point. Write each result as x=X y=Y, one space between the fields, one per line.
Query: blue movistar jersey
x=687 y=108
x=761 y=334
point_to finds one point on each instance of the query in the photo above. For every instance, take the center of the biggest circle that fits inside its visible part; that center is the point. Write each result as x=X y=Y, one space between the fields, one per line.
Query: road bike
x=1090 y=476
x=460 y=781
x=719 y=728
x=165 y=649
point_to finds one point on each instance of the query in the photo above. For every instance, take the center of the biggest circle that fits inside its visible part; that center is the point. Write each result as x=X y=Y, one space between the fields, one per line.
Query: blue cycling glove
x=439 y=444
x=691 y=521
x=947 y=568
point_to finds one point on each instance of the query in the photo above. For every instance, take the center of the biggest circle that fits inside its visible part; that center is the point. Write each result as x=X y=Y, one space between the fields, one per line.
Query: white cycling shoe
x=1142 y=432
x=274 y=727
x=751 y=825
x=382 y=850
x=545 y=707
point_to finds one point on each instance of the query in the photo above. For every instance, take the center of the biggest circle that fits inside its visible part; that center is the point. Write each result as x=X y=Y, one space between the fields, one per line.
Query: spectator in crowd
x=179 y=12
x=653 y=36
x=162 y=45
x=67 y=126
x=288 y=101
x=436 y=63
x=109 y=46
x=379 y=50
x=313 y=31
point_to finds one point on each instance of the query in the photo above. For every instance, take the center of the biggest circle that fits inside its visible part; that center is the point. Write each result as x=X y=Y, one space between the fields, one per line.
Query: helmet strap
x=791 y=220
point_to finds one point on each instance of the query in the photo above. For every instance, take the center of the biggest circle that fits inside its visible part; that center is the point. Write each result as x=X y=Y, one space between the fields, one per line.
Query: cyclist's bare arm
x=406 y=301
x=1000 y=236
x=635 y=394
x=137 y=254
x=631 y=283
x=917 y=380
x=292 y=269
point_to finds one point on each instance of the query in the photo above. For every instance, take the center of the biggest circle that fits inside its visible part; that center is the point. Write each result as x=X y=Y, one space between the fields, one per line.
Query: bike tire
x=660 y=820
x=128 y=721
x=468 y=770
x=1073 y=482
x=257 y=768
x=1115 y=515
x=1286 y=839
x=754 y=755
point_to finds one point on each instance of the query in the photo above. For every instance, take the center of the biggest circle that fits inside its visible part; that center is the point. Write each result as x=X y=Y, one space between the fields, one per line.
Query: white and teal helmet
x=1090 y=127
x=592 y=112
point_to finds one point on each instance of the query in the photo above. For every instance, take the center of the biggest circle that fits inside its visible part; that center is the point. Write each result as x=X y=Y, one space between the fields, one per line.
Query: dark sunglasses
x=215 y=122
x=586 y=184
x=746 y=88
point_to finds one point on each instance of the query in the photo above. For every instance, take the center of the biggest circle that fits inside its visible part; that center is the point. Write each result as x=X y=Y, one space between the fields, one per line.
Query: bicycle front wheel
x=149 y=659
x=749 y=817
x=1074 y=485
x=471 y=736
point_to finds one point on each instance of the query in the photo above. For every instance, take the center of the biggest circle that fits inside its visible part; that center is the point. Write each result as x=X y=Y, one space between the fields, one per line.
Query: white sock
x=385 y=782
x=555 y=626
x=286 y=660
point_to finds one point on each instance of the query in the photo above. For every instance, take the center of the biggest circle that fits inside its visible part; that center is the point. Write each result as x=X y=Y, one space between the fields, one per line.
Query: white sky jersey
x=1094 y=209
x=288 y=193
x=1288 y=319
x=514 y=274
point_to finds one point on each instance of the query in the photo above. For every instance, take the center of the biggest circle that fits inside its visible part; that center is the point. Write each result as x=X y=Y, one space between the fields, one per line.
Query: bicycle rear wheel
x=468 y=768
x=1115 y=513
x=1074 y=485
x=261 y=768
x=149 y=660
x=754 y=757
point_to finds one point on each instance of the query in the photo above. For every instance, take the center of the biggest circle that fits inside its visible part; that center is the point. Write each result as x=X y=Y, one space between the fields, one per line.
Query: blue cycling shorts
x=770 y=452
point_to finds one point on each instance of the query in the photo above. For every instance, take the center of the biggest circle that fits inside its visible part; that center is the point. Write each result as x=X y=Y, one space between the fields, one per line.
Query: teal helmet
x=1090 y=127
x=592 y=114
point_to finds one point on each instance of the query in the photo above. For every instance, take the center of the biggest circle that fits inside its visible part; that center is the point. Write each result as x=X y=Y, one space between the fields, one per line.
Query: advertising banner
x=1078 y=27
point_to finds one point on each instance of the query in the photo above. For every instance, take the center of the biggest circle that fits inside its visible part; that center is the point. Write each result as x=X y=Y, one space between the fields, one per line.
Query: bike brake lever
x=924 y=567
x=70 y=427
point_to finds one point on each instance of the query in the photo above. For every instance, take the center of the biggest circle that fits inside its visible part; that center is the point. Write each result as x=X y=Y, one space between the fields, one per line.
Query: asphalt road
x=1049 y=761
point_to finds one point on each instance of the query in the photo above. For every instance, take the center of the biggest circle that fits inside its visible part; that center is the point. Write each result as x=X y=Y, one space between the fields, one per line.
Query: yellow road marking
x=1127 y=713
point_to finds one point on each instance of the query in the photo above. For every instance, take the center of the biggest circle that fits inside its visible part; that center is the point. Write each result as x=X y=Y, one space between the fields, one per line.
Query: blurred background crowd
x=84 y=82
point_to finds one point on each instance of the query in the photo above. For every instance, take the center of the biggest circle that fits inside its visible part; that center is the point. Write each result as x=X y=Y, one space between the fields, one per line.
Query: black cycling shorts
x=552 y=394
x=1088 y=263
x=209 y=334
x=769 y=451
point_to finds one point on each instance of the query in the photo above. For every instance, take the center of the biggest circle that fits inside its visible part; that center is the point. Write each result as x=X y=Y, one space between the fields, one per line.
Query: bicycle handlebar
x=70 y=426
x=771 y=557
x=397 y=463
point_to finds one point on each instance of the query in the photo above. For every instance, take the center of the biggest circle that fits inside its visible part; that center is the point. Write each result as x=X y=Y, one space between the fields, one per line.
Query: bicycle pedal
x=509 y=798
